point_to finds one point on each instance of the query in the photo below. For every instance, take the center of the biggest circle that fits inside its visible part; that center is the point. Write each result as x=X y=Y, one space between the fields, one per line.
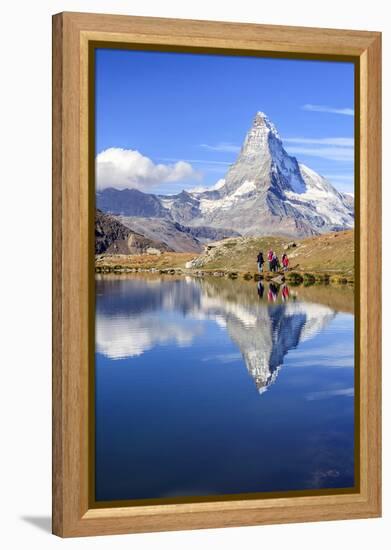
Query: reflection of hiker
x=285 y=262
x=285 y=293
x=260 y=262
x=275 y=262
x=273 y=292
x=270 y=259
x=261 y=289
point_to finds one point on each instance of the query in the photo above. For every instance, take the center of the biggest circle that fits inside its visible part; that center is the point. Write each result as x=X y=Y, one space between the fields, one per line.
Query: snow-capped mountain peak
x=264 y=192
x=262 y=120
x=257 y=138
x=264 y=161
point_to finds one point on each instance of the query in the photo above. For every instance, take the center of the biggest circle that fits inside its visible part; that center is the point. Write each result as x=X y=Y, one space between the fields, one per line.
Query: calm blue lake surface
x=212 y=387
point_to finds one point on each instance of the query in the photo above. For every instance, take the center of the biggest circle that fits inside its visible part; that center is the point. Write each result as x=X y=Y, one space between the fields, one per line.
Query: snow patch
x=209 y=205
x=322 y=199
x=244 y=189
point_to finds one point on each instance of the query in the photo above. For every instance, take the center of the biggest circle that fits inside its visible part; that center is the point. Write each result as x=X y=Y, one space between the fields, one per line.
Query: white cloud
x=327 y=109
x=128 y=168
x=118 y=337
x=343 y=363
x=345 y=392
x=224 y=357
x=215 y=169
x=331 y=153
x=330 y=148
x=199 y=161
x=222 y=147
x=340 y=177
x=333 y=141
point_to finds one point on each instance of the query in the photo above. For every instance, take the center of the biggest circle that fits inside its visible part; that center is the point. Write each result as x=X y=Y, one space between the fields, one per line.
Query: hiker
x=260 y=289
x=273 y=292
x=285 y=262
x=270 y=259
x=285 y=293
x=260 y=262
x=275 y=263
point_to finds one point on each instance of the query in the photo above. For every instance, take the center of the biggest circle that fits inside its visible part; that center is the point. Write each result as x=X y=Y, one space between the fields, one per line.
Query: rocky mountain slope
x=178 y=237
x=164 y=230
x=112 y=237
x=265 y=192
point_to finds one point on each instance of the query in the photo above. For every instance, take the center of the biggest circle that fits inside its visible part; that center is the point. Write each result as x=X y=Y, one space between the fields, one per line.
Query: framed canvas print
x=216 y=274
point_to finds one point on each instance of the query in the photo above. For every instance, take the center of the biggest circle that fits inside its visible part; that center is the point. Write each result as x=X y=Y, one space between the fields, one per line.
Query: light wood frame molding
x=72 y=34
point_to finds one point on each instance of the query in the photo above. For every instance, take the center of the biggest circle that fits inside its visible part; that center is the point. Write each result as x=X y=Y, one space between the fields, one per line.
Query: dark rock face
x=171 y=233
x=108 y=230
x=112 y=237
x=129 y=234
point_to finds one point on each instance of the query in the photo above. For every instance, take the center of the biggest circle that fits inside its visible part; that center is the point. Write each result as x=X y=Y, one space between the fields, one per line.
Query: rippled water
x=211 y=387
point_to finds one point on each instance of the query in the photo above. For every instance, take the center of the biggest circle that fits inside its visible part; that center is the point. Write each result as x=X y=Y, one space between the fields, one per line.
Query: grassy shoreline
x=324 y=259
x=127 y=265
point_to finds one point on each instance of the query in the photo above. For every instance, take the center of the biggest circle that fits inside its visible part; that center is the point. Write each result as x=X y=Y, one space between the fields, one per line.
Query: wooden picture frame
x=73 y=34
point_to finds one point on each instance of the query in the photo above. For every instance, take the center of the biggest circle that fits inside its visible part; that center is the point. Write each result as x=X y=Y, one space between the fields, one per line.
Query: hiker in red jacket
x=270 y=255
x=285 y=293
x=285 y=262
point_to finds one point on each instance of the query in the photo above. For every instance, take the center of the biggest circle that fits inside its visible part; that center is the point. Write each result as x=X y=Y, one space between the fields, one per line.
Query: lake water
x=215 y=387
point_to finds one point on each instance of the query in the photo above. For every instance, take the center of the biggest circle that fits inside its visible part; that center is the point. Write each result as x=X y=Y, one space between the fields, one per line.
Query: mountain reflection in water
x=211 y=386
x=264 y=321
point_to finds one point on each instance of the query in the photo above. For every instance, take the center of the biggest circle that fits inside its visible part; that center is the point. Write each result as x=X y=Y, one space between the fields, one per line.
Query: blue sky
x=182 y=117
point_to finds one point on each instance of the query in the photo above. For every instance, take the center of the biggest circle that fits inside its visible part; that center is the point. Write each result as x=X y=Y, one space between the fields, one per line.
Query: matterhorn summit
x=267 y=192
x=264 y=162
x=257 y=137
